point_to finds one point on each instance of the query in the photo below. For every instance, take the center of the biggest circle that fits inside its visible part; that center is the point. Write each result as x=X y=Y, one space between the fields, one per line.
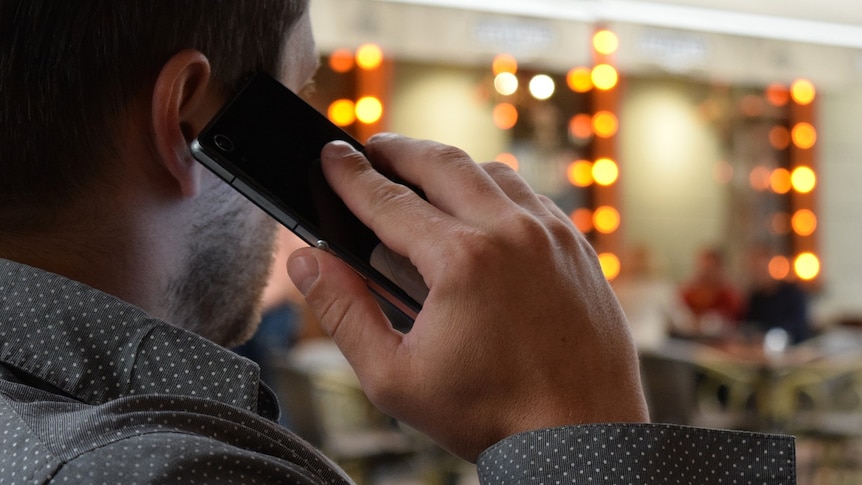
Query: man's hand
x=520 y=330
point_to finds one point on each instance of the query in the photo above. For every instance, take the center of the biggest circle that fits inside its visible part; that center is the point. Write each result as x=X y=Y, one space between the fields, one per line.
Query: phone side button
x=265 y=204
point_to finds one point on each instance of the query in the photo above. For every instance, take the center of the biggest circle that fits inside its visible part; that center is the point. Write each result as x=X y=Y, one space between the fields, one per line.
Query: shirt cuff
x=639 y=453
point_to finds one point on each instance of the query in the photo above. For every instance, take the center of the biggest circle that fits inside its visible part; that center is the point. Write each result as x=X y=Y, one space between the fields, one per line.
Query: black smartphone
x=266 y=143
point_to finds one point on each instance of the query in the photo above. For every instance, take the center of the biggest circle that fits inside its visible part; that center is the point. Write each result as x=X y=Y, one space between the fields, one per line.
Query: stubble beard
x=217 y=294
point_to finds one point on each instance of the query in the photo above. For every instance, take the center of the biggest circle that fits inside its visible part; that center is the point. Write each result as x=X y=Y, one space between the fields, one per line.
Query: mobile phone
x=266 y=143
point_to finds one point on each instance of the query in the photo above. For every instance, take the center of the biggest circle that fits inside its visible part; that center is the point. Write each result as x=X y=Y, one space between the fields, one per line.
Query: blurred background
x=709 y=149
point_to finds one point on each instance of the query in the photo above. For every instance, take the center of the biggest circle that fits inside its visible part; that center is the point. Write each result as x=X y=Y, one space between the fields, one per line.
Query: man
x=110 y=229
x=710 y=294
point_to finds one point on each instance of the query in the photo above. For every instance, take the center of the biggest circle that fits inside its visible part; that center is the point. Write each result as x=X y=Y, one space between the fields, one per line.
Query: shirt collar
x=97 y=348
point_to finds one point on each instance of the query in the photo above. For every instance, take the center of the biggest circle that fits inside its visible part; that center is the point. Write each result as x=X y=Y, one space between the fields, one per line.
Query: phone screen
x=266 y=142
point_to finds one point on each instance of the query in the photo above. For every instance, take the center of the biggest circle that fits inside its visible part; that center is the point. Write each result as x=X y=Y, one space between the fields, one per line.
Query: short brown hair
x=70 y=68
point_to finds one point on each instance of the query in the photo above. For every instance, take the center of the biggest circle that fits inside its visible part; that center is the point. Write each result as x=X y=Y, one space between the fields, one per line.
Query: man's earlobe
x=182 y=104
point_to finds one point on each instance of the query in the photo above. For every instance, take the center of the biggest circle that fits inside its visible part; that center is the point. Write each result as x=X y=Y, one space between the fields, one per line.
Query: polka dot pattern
x=640 y=453
x=93 y=390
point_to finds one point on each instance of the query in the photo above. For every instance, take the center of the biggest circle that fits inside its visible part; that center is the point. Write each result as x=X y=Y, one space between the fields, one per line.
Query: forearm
x=639 y=453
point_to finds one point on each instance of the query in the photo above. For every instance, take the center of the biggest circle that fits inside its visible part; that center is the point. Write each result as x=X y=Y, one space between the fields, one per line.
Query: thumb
x=346 y=309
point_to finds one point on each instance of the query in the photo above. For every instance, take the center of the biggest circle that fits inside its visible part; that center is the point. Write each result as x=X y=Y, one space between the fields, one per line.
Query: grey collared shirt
x=93 y=390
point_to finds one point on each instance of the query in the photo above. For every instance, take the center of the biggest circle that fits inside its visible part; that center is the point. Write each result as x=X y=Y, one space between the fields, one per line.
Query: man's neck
x=103 y=255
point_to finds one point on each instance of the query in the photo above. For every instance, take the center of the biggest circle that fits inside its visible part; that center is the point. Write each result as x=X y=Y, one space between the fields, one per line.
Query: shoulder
x=150 y=439
x=180 y=457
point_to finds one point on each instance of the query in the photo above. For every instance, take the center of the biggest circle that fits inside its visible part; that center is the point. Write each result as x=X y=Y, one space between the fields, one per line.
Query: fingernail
x=303 y=271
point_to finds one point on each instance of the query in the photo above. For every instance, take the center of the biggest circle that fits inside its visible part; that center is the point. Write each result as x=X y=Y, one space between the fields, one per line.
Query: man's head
x=710 y=265
x=99 y=100
x=69 y=70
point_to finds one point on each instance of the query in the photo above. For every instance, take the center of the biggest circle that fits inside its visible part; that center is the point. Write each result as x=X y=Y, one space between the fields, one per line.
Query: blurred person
x=710 y=295
x=651 y=302
x=775 y=303
x=126 y=268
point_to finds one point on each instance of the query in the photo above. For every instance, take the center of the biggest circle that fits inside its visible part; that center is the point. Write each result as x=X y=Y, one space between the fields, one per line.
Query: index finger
x=451 y=180
x=394 y=212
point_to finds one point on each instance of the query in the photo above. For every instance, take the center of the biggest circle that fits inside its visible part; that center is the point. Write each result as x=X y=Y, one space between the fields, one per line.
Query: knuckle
x=495 y=169
x=390 y=195
x=329 y=306
x=517 y=233
x=437 y=151
x=528 y=231
x=542 y=237
x=544 y=199
x=330 y=312
x=562 y=229
x=506 y=178
x=473 y=250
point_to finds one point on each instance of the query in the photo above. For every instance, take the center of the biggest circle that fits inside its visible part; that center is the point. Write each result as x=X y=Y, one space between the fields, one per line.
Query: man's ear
x=182 y=104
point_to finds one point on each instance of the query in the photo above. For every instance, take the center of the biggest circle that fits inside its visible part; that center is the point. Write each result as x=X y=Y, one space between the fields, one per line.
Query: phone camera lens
x=224 y=143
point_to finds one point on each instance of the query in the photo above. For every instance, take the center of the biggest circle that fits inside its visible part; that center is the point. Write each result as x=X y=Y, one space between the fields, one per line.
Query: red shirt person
x=710 y=295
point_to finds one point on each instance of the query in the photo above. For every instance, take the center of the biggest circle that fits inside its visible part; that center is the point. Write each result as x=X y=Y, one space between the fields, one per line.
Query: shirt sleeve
x=639 y=453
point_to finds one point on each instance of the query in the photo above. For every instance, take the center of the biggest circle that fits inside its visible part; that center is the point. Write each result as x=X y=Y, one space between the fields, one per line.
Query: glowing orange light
x=369 y=109
x=780 y=181
x=802 y=92
x=779 y=137
x=605 y=171
x=779 y=267
x=505 y=116
x=804 y=135
x=605 y=124
x=580 y=79
x=605 y=42
x=807 y=266
x=341 y=60
x=582 y=219
x=610 y=265
x=606 y=219
x=804 y=222
x=803 y=179
x=369 y=56
x=581 y=126
x=580 y=173
x=342 y=112
x=509 y=159
x=759 y=178
x=504 y=63
x=605 y=77
x=777 y=94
